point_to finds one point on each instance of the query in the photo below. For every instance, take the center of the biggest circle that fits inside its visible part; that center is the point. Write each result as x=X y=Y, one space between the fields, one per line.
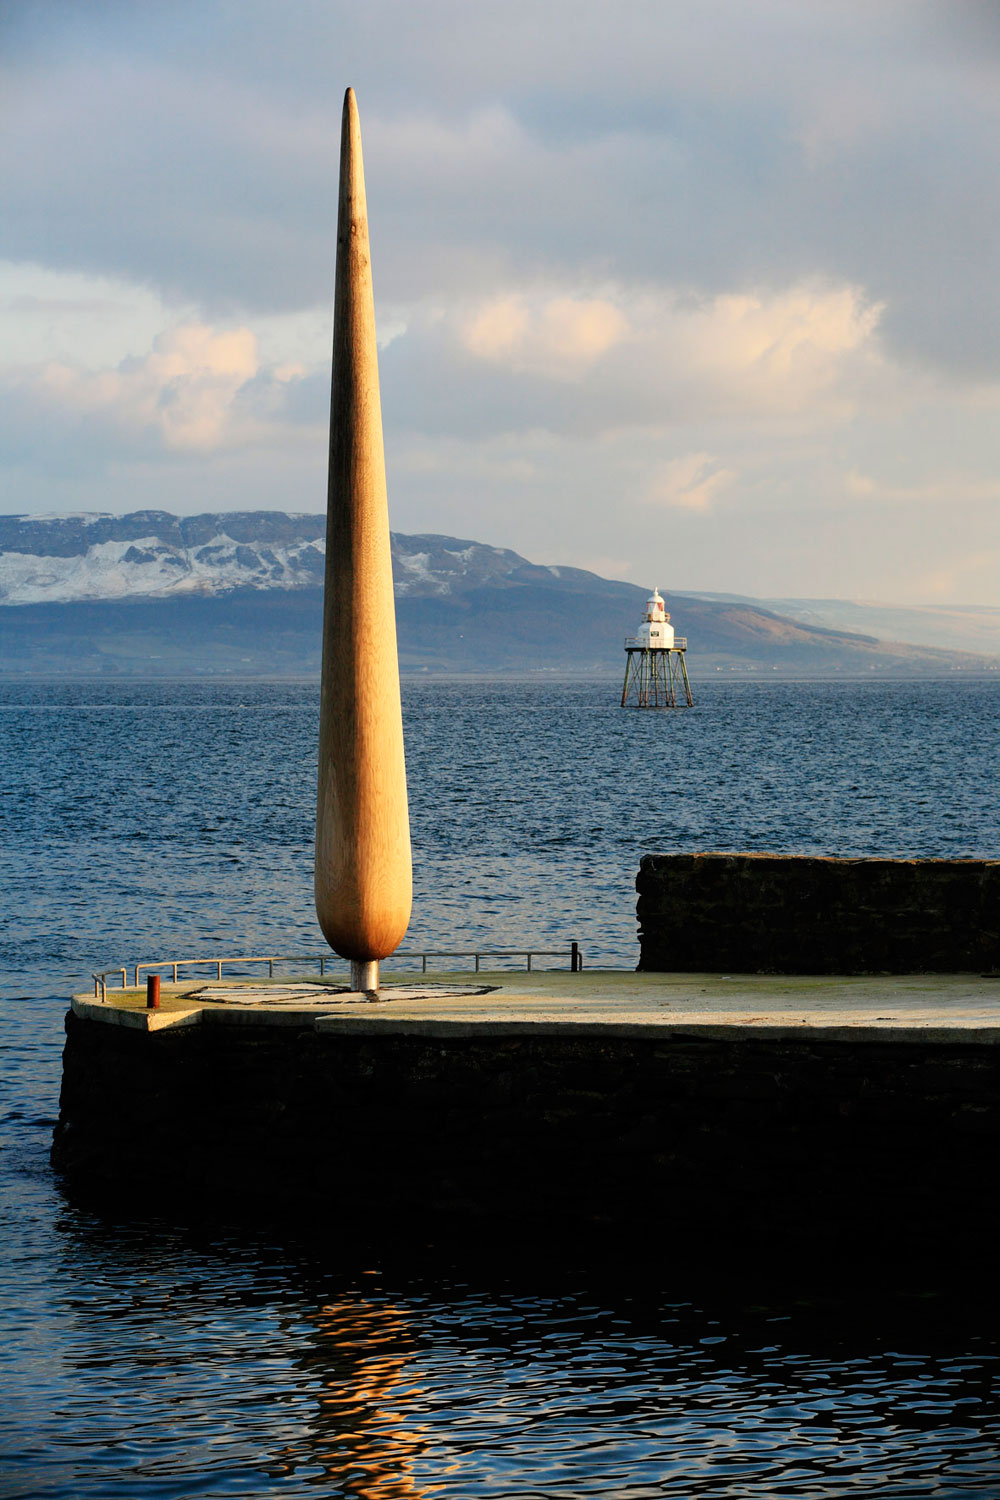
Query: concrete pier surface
x=839 y=1114
x=944 y=1008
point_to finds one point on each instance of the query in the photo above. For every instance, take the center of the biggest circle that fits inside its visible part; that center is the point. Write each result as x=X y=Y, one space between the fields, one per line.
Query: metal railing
x=633 y=643
x=322 y=959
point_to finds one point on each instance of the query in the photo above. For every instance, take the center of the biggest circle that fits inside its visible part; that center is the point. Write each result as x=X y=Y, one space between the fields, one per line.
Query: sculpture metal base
x=364 y=975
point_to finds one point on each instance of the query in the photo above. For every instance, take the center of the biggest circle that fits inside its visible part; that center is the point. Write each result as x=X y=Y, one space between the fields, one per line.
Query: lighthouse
x=655 y=669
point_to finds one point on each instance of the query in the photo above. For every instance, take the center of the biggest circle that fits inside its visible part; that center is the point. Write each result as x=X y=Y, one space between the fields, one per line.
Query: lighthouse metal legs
x=654 y=678
x=628 y=673
x=648 y=680
x=684 y=673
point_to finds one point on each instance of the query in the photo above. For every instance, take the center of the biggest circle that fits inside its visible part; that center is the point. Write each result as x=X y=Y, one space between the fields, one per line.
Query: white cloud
x=567 y=358
x=560 y=338
x=767 y=353
x=72 y=317
x=198 y=389
x=692 y=482
x=790 y=334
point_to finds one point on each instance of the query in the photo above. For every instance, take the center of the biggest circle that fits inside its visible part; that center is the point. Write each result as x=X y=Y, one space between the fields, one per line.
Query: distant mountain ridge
x=951 y=627
x=241 y=592
x=151 y=554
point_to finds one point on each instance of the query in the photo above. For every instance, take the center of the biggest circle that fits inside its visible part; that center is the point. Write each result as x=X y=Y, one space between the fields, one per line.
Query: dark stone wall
x=653 y=1143
x=800 y=914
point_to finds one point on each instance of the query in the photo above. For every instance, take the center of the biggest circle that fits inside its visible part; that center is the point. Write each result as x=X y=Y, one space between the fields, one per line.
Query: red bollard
x=153 y=992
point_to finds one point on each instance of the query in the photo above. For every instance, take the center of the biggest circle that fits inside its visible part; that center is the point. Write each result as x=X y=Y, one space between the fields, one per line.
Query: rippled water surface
x=143 y=1357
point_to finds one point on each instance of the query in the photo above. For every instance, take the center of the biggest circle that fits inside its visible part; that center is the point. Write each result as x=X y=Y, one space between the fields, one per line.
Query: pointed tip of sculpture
x=351 y=126
x=353 y=207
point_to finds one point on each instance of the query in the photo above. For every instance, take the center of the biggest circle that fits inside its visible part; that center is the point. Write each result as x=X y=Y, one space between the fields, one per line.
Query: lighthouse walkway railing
x=572 y=956
x=633 y=643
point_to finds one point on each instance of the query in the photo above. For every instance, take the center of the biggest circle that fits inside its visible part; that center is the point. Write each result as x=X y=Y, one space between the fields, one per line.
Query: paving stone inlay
x=327 y=994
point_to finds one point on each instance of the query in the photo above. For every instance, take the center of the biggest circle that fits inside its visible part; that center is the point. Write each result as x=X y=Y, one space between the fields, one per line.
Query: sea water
x=142 y=1356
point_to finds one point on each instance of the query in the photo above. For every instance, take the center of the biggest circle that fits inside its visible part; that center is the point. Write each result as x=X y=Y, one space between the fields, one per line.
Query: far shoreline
x=705 y=678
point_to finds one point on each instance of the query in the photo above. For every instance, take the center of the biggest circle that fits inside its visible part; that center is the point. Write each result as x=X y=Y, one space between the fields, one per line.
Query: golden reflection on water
x=363 y=1439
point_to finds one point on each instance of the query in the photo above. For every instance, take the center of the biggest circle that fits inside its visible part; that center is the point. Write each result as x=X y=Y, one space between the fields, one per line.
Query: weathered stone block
x=770 y=913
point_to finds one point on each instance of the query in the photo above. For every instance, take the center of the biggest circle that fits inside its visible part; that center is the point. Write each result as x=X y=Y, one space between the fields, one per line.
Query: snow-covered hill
x=64 y=559
x=152 y=554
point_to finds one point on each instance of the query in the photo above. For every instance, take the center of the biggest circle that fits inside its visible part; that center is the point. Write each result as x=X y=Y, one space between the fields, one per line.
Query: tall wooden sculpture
x=363 y=872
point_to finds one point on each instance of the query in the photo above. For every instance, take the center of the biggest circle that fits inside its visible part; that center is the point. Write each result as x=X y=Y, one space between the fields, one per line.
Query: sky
x=700 y=293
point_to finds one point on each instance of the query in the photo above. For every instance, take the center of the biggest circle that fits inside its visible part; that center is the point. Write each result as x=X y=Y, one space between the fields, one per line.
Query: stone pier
x=731 y=1109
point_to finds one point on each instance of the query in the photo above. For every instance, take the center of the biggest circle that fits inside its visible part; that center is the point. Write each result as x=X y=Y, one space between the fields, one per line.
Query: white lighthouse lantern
x=656 y=632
